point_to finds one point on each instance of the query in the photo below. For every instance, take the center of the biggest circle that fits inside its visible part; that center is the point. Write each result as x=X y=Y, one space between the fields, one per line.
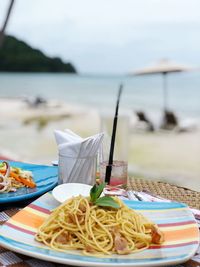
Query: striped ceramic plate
x=175 y=220
x=45 y=177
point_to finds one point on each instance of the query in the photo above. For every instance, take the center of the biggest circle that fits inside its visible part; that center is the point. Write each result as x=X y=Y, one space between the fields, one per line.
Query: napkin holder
x=83 y=171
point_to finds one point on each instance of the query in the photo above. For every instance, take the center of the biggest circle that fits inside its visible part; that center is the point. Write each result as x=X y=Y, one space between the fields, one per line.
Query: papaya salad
x=12 y=178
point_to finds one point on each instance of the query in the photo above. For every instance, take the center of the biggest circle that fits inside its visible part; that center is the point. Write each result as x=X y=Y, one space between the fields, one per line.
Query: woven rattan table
x=191 y=198
x=165 y=190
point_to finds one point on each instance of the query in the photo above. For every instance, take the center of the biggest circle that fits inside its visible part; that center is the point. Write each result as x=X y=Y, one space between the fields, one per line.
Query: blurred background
x=61 y=63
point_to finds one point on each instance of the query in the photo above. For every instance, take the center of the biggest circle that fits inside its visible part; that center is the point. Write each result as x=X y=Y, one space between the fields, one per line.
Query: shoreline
x=167 y=156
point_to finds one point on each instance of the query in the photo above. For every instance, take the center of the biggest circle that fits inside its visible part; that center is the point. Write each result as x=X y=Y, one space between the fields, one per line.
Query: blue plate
x=45 y=177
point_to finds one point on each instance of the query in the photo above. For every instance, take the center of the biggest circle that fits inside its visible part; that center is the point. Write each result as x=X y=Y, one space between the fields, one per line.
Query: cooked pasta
x=78 y=224
x=12 y=178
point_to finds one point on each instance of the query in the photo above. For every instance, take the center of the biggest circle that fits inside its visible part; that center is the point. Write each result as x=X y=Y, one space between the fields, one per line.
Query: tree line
x=17 y=56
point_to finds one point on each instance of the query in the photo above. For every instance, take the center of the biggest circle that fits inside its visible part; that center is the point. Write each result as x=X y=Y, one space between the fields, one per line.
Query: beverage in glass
x=119 y=172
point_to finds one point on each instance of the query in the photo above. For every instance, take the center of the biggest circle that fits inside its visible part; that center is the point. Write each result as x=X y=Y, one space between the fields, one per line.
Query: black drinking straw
x=112 y=144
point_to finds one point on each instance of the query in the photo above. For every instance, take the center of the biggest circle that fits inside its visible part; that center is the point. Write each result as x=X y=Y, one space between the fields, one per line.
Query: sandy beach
x=27 y=134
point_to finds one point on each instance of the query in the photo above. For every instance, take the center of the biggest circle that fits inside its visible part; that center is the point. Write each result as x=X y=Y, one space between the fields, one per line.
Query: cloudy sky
x=109 y=36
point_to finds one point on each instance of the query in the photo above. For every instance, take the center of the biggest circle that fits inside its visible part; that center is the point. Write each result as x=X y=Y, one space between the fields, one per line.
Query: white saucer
x=63 y=192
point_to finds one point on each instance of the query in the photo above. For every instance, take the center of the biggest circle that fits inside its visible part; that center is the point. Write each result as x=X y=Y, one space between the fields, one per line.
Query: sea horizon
x=99 y=90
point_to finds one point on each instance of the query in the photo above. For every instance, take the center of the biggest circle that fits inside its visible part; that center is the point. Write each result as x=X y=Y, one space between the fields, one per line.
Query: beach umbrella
x=163 y=67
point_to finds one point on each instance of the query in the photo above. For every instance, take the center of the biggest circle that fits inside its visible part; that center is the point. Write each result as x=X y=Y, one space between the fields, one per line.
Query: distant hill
x=17 y=56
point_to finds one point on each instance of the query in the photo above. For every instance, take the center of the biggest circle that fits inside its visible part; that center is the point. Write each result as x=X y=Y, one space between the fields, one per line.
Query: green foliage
x=96 y=191
x=43 y=120
x=17 y=56
x=105 y=201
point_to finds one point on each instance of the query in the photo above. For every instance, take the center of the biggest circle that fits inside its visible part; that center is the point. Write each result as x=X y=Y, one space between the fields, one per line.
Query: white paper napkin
x=77 y=156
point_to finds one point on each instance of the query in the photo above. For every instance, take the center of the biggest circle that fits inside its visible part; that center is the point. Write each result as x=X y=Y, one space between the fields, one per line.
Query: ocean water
x=100 y=91
x=175 y=157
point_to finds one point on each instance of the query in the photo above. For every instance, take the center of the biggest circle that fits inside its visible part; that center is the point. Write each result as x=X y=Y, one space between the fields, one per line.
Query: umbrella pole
x=165 y=91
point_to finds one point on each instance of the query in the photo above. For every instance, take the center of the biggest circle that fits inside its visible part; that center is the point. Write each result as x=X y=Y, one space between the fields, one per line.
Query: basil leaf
x=100 y=189
x=107 y=202
x=93 y=191
x=96 y=191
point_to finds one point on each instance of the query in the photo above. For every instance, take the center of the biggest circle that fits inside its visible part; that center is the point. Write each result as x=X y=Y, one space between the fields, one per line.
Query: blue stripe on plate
x=54 y=255
x=143 y=205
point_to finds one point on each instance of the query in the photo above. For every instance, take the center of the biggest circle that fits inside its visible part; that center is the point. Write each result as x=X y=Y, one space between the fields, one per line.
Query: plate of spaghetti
x=78 y=224
x=90 y=232
x=22 y=181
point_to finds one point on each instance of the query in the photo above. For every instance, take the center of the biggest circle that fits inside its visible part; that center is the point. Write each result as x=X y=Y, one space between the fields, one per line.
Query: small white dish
x=63 y=192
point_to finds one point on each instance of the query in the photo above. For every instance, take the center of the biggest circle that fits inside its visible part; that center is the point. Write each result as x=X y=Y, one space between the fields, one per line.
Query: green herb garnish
x=106 y=201
x=2 y=164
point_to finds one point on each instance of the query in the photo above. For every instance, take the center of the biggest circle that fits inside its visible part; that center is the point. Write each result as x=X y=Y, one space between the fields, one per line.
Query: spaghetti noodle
x=77 y=224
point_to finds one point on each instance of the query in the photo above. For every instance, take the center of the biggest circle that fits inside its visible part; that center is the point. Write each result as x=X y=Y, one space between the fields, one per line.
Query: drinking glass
x=120 y=158
x=119 y=172
x=121 y=139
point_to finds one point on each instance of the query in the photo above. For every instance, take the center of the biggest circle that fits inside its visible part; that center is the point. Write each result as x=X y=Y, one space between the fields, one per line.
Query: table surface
x=12 y=259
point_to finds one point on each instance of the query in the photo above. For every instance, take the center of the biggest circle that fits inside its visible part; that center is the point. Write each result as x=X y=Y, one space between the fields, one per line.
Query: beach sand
x=27 y=134
x=170 y=157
